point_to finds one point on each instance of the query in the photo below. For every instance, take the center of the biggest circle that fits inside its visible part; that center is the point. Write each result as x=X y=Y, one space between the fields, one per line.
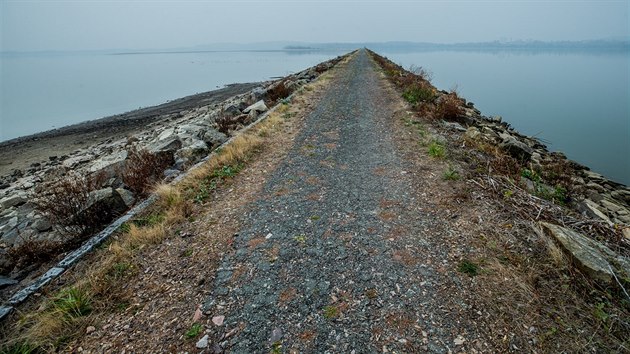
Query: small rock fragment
x=459 y=340
x=276 y=335
x=218 y=320
x=197 y=315
x=90 y=329
x=202 y=343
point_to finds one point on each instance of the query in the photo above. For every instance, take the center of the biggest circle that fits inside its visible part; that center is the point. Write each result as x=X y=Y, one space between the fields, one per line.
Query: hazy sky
x=85 y=24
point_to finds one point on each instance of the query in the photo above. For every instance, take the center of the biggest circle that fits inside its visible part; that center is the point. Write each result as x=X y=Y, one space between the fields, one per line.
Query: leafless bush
x=66 y=203
x=32 y=252
x=449 y=106
x=143 y=169
x=320 y=68
x=278 y=92
x=421 y=72
x=226 y=121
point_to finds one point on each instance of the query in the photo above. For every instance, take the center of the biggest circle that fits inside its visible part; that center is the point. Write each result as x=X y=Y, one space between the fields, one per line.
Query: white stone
x=259 y=106
x=610 y=206
x=593 y=207
x=202 y=343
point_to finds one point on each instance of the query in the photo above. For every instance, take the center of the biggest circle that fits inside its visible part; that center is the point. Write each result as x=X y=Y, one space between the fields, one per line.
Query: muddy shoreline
x=22 y=152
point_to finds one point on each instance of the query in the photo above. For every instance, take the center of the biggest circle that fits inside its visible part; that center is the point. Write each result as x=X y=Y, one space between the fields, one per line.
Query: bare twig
x=618 y=282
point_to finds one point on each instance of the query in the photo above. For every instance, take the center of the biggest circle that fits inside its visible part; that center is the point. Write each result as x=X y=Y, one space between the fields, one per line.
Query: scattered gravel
x=333 y=257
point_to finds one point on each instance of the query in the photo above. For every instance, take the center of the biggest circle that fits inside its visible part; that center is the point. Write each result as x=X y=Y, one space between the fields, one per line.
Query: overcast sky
x=85 y=24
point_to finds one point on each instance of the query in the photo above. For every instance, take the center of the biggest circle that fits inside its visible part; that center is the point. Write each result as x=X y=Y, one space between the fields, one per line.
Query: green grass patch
x=415 y=94
x=437 y=150
x=20 y=348
x=149 y=220
x=468 y=267
x=213 y=180
x=73 y=303
x=120 y=270
x=300 y=238
x=331 y=312
x=194 y=330
x=187 y=252
x=451 y=174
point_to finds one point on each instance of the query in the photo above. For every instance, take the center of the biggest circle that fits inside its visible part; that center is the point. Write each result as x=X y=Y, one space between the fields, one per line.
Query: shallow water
x=577 y=103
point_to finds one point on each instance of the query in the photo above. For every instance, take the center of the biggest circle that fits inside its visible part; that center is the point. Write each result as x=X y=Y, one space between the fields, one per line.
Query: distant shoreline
x=21 y=152
x=581 y=45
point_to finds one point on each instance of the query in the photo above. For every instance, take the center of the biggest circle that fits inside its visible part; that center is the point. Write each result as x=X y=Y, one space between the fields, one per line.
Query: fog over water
x=57 y=65
x=109 y=24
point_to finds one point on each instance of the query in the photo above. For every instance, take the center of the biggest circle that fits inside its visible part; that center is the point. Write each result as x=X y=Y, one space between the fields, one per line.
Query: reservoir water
x=39 y=92
x=577 y=102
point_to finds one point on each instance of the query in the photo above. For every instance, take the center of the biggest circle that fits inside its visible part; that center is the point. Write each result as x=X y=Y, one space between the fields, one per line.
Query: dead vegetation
x=417 y=90
x=143 y=169
x=65 y=314
x=526 y=292
x=73 y=205
x=278 y=92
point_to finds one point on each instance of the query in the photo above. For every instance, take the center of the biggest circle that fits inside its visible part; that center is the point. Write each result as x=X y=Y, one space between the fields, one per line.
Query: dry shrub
x=320 y=68
x=143 y=169
x=67 y=204
x=224 y=122
x=227 y=122
x=171 y=199
x=449 y=107
x=421 y=72
x=559 y=173
x=33 y=252
x=278 y=92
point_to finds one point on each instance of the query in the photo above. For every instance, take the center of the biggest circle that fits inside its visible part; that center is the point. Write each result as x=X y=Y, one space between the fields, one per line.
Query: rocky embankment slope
x=174 y=136
x=580 y=199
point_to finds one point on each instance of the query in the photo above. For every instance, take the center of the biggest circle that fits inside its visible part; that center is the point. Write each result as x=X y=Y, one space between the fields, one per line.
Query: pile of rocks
x=186 y=137
x=601 y=197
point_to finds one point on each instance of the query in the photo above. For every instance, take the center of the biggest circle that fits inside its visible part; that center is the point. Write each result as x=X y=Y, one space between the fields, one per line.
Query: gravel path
x=333 y=257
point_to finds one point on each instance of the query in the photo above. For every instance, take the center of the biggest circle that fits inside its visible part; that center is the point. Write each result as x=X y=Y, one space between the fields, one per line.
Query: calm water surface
x=41 y=92
x=577 y=103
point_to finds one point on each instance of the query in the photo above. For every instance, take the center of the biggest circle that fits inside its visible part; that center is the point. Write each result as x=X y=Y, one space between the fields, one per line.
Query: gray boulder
x=213 y=138
x=4 y=281
x=170 y=144
x=109 y=164
x=258 y=93
x=126 y=196
x=595 y=259
x=16 y=199
x=232 y=109
x=259 y=106
x=194 y=150
x=515 y=148
x=108 y=200
x=472 y=133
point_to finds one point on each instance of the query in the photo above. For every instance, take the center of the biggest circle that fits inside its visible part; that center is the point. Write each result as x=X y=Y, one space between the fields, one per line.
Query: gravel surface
x=333 y=257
